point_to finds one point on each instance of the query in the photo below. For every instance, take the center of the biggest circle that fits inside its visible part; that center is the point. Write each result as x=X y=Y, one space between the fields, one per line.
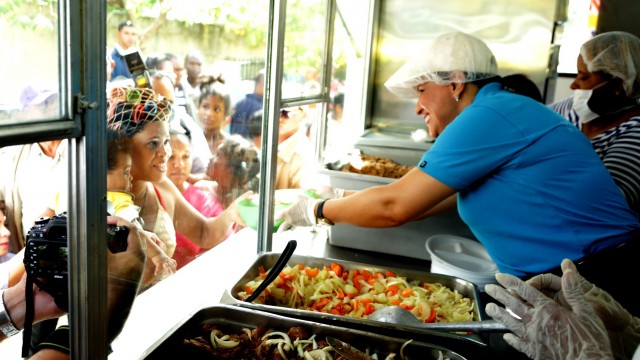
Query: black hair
x=259 y=77
x=522 y=85
x=243 y=159
x=338 y=99
x=171 y=56
x=116 y=144
x=516 y=83
x=152 y=61
x=255 y=123
x=125 y=24
x=214 y=86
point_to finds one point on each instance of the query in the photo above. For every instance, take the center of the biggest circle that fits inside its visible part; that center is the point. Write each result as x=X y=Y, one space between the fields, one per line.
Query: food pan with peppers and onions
x=322 y=288
x=234 y=332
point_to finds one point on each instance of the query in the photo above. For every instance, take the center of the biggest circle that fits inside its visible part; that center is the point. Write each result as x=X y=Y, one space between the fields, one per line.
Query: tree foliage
x=248 y=19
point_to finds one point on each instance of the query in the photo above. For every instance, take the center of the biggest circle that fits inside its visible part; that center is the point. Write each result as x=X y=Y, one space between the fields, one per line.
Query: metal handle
x=275 y=270
x=485 y=325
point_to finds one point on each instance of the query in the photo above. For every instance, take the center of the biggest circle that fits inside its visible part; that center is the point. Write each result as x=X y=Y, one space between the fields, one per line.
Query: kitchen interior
x=527 y=36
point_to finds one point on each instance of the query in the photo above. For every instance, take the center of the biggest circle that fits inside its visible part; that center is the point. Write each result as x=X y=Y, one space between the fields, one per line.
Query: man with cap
x=127 y=35
x=525 y=181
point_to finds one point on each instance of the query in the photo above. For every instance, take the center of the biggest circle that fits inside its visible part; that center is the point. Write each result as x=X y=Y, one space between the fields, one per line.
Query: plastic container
x=461 y=257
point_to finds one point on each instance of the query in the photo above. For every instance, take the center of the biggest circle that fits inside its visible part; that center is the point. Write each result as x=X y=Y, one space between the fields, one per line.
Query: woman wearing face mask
x=605 y=106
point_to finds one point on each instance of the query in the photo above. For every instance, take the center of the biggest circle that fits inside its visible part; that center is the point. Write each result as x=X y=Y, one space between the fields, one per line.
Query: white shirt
x=40 y=179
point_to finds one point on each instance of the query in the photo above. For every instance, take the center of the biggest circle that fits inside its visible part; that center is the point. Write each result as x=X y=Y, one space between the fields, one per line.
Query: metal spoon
x=400 y=316
x=275 y=270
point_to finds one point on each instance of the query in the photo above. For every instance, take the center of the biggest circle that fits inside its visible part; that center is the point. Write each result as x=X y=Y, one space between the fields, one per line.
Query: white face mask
x=580 y=106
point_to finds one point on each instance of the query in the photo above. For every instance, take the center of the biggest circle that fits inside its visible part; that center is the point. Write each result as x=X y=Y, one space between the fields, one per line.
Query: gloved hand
x=302 y=213
x=548 y=330
x=328 y=192
x=614 y=316
x=623 y=328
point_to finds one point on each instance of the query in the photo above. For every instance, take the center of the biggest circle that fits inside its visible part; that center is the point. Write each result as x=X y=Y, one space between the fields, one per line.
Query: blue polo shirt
x=531 y=187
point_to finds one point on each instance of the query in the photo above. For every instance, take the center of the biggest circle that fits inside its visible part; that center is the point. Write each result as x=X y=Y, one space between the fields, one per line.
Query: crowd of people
x=177 y=166
x=181 y=156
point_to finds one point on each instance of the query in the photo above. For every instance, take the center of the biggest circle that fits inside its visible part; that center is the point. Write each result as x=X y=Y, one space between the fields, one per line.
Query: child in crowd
x=234 y=167
x=213 y=110
x=120 y=203
x=178 y=170
x=5 y=255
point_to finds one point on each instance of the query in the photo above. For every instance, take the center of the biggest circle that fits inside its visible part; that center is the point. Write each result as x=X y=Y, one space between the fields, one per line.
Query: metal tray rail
x=233 y=318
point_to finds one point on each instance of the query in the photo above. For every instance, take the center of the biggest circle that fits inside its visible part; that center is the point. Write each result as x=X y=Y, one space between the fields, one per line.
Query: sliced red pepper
x=407 y=292
x=336 y=268
x=311 y=272
x=432 y=316
x=369 y=308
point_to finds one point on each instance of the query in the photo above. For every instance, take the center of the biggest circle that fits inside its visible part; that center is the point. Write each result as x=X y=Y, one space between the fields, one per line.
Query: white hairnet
x=616 y=53
x=454 y=51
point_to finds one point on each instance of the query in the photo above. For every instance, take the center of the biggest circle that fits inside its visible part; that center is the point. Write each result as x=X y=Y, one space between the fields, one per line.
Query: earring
x=456 y=98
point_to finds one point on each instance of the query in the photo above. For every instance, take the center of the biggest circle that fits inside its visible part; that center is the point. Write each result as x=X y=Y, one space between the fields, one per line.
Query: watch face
x=8 y=329
x=325 y=221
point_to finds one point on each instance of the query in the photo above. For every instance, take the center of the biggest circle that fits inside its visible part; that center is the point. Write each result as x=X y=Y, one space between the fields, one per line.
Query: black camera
x=138 y=69
x=46 y=253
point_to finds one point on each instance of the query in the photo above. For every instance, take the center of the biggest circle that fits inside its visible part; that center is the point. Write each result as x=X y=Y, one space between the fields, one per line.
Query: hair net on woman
x=616 y=53
x=449 y=52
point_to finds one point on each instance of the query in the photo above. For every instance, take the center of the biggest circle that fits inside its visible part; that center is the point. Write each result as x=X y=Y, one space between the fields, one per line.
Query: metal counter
x=203 y=282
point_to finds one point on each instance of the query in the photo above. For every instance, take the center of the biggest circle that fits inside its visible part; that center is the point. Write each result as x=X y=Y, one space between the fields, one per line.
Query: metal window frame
x=82 y=121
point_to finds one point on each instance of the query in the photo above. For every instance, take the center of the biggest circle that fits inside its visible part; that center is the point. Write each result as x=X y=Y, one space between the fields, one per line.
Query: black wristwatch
x=320 y=219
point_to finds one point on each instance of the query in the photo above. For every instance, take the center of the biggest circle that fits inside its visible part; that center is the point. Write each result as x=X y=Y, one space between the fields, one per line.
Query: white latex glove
x=328 y=192
x=624 y=329
x=548 y=330
x=302 y=213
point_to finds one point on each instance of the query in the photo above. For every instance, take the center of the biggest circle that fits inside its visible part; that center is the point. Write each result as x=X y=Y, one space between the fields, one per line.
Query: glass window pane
x=30 y=62
x=344 y=118
x=305 y=36
x=579 y=27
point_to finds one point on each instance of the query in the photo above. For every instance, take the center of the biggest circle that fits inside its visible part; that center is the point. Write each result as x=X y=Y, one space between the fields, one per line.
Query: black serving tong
x=275 y=270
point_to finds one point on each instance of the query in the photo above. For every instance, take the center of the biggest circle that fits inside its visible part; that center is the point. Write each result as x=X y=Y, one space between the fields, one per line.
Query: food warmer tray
x=267 y=260
x=233 y=319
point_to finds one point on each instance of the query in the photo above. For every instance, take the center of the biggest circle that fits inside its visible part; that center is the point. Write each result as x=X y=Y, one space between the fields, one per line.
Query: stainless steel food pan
x=267 y=260
x=234 y=318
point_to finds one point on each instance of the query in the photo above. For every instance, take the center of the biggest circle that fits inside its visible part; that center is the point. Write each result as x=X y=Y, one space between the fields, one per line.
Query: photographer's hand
x=15 y=303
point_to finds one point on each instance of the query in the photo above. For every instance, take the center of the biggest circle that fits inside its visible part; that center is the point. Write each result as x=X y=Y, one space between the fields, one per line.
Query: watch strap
x=6 y=325
x=320 y=218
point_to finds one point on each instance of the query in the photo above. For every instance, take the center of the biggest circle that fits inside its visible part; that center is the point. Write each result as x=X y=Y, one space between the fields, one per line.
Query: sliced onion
x=284 y=336
x=222 y=342
x=315 y=355
x=402 y=348
x=281 y=351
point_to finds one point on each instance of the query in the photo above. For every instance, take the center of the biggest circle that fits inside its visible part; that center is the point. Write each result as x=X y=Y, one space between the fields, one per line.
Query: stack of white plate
x=462 y=258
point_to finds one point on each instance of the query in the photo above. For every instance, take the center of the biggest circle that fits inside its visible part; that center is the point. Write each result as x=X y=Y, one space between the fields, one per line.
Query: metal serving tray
x=233 y=319
x=267 y=260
